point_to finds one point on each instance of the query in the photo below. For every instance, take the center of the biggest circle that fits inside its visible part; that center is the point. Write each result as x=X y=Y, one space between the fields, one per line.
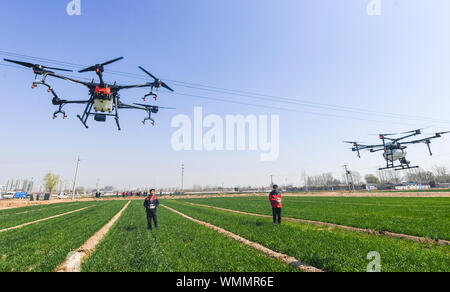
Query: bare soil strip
x=74 y=261
x=44 y=219
x=350 y=228
x=282 y=257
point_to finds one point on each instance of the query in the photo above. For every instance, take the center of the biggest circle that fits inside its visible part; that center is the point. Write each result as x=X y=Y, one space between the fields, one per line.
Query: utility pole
x=182 y=178
x=75 y=178
x=348 y=174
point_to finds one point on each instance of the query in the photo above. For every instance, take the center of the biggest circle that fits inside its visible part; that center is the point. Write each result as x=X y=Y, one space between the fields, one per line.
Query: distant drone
x=394 y=149
x=104 y=99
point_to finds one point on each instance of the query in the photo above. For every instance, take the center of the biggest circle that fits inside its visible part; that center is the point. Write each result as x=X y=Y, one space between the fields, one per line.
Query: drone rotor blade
x=95 y=67
x=112 y=61
x=29 y=65
x=144 y=105
x=169 y=108
x=167 y=87
x=403 y=133
x=353 y=143
x=92 y=68
x=148 y=73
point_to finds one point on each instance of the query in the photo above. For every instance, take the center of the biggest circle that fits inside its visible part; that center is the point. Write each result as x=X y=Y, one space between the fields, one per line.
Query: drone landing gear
x=82 y=121
x=117 y=122
x=404 y=165
x=85 y=116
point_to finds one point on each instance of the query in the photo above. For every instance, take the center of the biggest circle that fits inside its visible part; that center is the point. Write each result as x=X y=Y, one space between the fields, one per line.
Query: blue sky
x=327 y=51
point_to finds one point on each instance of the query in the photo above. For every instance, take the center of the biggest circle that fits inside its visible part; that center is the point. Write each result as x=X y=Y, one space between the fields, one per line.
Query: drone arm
x=74 y=101
x=425 y=140
x=68 y=79
x=134 y=86
x=129 y=106
x=405 y=137
x=376 y=150
x=429 y=148
x=146 y=109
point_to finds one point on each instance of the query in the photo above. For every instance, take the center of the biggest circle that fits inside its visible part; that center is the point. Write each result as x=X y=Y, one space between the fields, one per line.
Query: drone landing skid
x=83 y=122
x=399 y=167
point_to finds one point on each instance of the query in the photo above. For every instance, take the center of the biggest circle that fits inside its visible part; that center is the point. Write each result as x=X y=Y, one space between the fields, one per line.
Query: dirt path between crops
x=76 y=258
x=44 y=219
x=344 y=227
x=282 y=257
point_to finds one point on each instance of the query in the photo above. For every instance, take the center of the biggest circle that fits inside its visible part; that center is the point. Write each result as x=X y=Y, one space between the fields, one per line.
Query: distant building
x=412 y=187
x=108 y=189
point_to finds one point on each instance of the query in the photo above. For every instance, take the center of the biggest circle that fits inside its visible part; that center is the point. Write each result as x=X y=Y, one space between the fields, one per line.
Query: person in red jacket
x=276 y=202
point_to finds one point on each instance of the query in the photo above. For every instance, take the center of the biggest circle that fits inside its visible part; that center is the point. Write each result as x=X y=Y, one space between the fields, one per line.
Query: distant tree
x=391 y=176
x=51 y=181
x=322 y=180
x=441 y=174
x=420 y=176
x=357 y=178
x=372 y=179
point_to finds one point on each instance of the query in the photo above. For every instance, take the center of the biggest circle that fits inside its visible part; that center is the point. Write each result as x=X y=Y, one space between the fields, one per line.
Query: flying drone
x=394 y=148
x=104 y=99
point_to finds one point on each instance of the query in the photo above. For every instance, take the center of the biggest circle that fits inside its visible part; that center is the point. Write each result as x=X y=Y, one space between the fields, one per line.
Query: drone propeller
x=156 y=79
x=355 y=148
x=99 y=67
x=418 y=132
x=442 y=133
x=36 y=66
x=353 y=143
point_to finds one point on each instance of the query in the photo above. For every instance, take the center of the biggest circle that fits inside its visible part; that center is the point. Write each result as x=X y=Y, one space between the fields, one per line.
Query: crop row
x=24 y=216
x=33 y=208
x=179 y=245
x=45 y=245
x=324 y=248
x=426 y=217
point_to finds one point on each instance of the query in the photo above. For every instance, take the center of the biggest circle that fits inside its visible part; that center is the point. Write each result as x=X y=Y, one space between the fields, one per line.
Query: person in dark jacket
x=151 y=204
x=275 y=200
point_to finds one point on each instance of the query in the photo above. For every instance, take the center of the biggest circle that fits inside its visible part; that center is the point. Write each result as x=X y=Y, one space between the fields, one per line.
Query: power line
x=251 y=104
x=258 y=96
x=283 y=109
